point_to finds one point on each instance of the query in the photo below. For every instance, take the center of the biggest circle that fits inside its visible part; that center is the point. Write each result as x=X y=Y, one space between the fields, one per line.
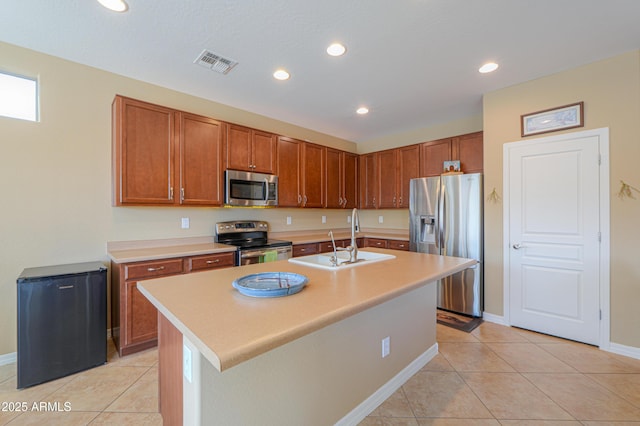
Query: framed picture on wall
x=554 y=119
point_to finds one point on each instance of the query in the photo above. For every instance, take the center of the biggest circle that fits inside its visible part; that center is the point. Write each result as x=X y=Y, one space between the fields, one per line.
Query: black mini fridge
x=62 y=321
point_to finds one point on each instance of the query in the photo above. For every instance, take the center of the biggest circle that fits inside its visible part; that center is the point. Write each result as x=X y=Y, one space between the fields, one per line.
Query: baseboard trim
x=619 y=349
x=378 y=397
x=498 y=319
x=8 y=358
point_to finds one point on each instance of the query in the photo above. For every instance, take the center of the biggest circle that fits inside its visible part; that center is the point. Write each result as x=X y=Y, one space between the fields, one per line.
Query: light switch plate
x=185 y=223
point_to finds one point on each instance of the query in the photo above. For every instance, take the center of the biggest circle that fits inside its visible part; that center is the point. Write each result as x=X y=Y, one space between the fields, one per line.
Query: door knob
x=517 y=246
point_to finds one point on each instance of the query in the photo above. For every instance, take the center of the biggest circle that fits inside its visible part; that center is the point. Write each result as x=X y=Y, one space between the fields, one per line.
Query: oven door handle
x=255 y=253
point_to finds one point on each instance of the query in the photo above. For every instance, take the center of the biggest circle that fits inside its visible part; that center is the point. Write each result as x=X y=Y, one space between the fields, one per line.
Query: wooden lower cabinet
x=375 y=242
x=398 y=244
x=134 y=320
x=305 y=249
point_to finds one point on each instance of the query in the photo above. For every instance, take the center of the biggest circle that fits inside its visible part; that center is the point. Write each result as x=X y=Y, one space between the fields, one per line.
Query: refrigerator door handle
x=441 y=219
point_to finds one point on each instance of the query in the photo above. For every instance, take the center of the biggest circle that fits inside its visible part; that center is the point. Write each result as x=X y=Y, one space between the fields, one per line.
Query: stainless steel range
x=251 y=238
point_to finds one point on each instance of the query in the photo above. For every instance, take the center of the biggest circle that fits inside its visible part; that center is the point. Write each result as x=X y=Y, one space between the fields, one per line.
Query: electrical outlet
x=187 y=363
x=348 y=219
x=185 y=223
x=288 y=220
x=380 y=219
x=386 y=346
x=324 y=219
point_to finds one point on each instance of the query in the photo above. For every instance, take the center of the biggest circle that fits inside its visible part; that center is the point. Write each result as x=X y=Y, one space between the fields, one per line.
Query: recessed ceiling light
x=362 y=110
x=281 y=75
x=488 y=67
x=336 y=49
x=115 y=5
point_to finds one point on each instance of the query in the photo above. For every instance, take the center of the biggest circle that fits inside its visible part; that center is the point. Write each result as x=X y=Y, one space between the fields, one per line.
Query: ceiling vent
x=215 y=62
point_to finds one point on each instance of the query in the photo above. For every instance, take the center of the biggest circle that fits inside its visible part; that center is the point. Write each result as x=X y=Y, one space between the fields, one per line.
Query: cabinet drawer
x=152 y=269
x=375 y=242
x=398 y=245
x=305 y=249
x=327 y=246
x=211 y=261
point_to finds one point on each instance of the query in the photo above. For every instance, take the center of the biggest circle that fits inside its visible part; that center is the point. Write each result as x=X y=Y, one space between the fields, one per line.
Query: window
x=18 y=97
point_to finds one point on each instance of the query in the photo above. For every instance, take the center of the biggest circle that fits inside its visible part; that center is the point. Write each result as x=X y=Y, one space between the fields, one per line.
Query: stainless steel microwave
x=250 y=189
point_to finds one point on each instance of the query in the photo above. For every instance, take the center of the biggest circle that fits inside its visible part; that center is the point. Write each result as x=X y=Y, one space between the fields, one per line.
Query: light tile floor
x=495 y=375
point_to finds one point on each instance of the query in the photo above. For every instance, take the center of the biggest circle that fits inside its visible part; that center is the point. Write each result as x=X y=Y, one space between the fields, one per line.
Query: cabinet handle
x=400 y=202
x=209 y=262
x=374 y=201
x=340 y=201
x=171 y=193
x=155 y=269
x=394 y=200
x=299 y=199
x=181 y=194
x=401 y=245
x=303 y=249
x=305 y=200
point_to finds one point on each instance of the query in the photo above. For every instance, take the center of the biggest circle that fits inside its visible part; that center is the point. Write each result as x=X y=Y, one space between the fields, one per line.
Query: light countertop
x=229 y=328
x=136 y=251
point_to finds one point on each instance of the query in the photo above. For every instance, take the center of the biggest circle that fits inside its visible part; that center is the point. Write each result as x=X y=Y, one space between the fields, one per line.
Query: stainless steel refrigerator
x=445 y=217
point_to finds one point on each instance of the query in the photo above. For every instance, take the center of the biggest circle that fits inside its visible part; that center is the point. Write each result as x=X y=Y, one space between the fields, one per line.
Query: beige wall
x=444 y=130
x=610 y=90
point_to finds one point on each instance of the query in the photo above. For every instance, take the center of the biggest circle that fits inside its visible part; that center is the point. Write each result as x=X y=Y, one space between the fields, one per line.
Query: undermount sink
x=323 y=261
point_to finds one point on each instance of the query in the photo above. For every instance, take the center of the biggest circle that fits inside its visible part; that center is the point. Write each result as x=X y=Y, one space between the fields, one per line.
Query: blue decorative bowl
x=270 y=284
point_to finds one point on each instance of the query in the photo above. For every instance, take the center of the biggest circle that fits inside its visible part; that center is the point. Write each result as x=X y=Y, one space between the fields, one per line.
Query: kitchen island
x=310 y=358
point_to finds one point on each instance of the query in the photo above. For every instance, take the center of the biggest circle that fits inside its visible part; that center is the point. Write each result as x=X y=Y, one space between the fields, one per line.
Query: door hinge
x=599 y=237
x=600 y=314
x=599 y=159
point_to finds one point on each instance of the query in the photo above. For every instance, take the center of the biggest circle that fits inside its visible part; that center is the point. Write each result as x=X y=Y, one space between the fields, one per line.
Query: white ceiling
x=412 y=62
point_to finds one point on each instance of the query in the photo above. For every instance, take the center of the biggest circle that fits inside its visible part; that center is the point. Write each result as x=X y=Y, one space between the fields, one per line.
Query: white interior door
x=553 y=235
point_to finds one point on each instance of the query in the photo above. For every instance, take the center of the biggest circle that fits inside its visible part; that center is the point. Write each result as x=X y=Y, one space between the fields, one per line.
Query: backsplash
x=142 y=223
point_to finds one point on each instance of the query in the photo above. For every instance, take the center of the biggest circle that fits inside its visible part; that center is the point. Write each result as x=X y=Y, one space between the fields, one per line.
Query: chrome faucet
x=355 y=228
x=333 y=259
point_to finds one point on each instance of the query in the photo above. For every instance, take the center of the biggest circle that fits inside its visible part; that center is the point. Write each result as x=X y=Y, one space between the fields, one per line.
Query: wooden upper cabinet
x=341 y=179
x=143 y=152
x=468 y=149
x=250 y=149
x=408 y=168
x=200 y=160
x=289 y=155
x=368 y=171
x=313 y=175
x=387 y=170
x=349 y=169
x=333 y=178
x=433 y=154
x=396 y=167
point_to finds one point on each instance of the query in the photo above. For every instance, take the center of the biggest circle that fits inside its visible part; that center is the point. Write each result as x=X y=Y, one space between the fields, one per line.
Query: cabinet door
x=333 y=179
x=350 y=180
x=387 y=170
x=468 y=149
x=200 y=165
x=142 y=316
x=143 y=153
x=408 y=168
x=313 y=171
x=238 y=148
x=263 y=152
x=368 y=180
x=433 y=155
x=288 y=159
